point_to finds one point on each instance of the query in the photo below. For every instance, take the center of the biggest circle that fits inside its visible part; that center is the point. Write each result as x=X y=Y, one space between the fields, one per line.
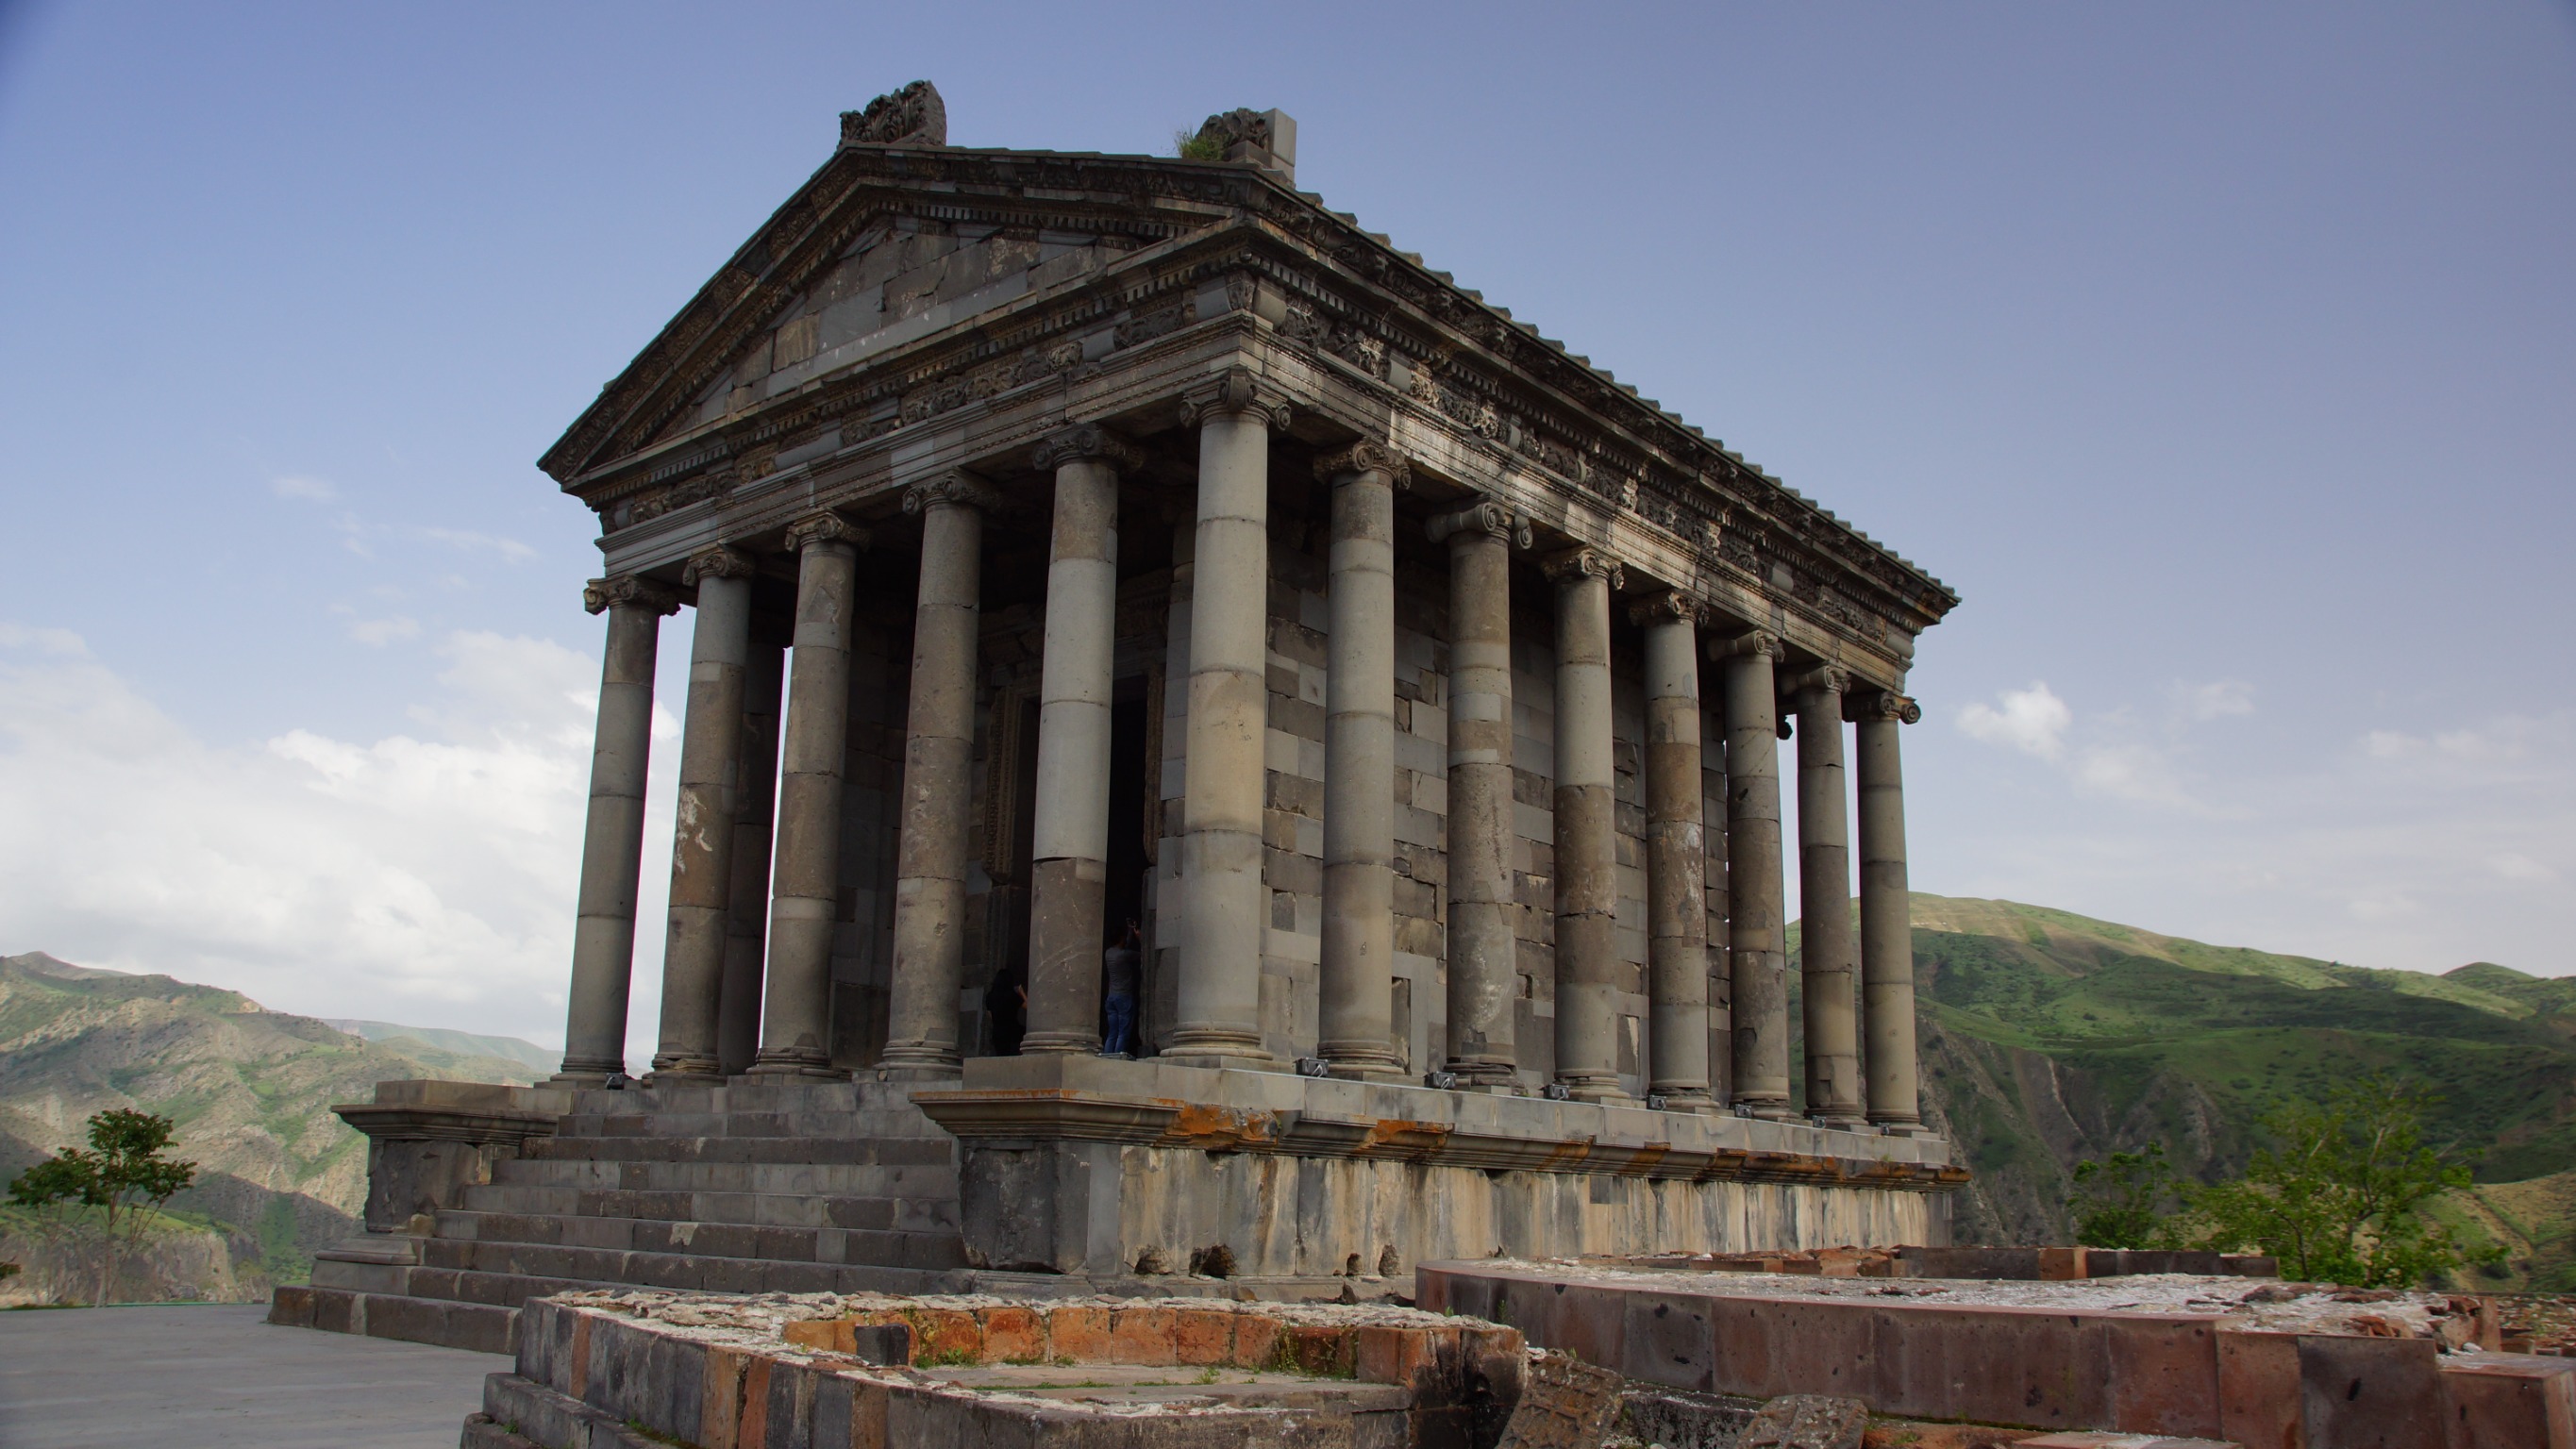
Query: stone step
x=926 y=1253
x=886 y=1151
x=762 y=1209
x=697 y=1235
x=796 y=1179
x=518 y=1412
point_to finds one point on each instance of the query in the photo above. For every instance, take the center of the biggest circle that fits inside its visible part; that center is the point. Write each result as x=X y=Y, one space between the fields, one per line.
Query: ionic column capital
x=1365 y=457
x=957 y=487
x=1483 y=516
x=1669 y=604
x=1887 y=704
x=1577 y=564
x=631 y=591
x=1235 y=390
x=804 y=533
x=1089 y=443
x=1830 y=679
x=1759 y=641
x=723 y=561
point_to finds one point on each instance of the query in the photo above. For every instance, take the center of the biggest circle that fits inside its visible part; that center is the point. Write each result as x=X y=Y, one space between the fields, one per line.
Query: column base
x=1222 y=1061
x=1065 y=1044
x=919 y=1071
x=1484 y=1074
x=1899 y=1126
x=587 y=1072
x=1765 y=1109
x=709 y=1073
x=1688 y=1101
x=1361 y=1062
x=797 y=1065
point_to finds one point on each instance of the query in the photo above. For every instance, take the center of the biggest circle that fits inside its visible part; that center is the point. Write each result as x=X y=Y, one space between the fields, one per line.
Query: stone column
x=1886 y=917
x=702 y=844
x=1357 y=972
x=1225 y=898
x=755 y=812
x=1757 y=937
x=804 y=907
x=1484 y=976
x=1824 y=903
x=1071 y=856
x=1587 y=845
x=1676 y=857
x=938 y=781
x=612 y=846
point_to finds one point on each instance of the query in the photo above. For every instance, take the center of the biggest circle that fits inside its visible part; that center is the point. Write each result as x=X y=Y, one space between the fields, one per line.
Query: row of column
x=714 y=967
x=1483 y=976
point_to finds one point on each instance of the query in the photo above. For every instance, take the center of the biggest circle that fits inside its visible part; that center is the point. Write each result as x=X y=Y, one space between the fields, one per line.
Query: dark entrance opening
x=1124 y=899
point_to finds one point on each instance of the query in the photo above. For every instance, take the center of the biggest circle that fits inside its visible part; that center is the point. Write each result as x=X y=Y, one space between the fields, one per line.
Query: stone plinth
x=1114 y=1170
x=428 y=1141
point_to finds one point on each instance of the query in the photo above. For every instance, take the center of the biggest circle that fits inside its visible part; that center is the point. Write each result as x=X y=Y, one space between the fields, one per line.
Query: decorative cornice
x=1887 y=704
x=956 y=487
x=1486 y=517
x=720 y=562
x=1365 y=457
x=1759 y=641
x=629 y=591
x=1236 y=390
x=1088 y=443
x=1670 y=604
x=804 y=533
x=1577 y=564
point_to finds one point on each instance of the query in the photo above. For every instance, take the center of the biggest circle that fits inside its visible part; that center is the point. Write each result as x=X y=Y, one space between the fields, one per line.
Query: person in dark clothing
x=1121 y=968
x=1006 y=1002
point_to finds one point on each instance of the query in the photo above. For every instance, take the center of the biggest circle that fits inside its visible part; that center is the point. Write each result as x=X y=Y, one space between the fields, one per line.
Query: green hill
x=2048 y=1037
x=249 y=1089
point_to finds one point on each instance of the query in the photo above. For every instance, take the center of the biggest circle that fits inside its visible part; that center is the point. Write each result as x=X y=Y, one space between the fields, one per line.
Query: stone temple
x=1069 y=541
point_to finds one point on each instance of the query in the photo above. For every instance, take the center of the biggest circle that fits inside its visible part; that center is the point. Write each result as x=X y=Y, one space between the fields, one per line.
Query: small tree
x=123 y=1175
x=2340 y=1196
x=2126 y=1201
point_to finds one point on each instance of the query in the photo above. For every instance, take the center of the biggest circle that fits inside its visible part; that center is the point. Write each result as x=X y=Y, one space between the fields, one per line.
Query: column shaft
x=1825 y=956
x=702 y=843
x=938 y=766
x=1676 y=858
x=1357 y=972
x=1757 y=940
x=1070 y=868
x=1721 y=986
x=1886 y=924
x=1484 y=978
x=796 y=1028
x=1587 y=858
x=1226 y=898
x=612 y=848
x=755 y=812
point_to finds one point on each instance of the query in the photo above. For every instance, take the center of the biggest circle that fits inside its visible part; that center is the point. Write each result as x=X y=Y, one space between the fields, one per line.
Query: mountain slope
x=2049 y=1037
x=249 y=1089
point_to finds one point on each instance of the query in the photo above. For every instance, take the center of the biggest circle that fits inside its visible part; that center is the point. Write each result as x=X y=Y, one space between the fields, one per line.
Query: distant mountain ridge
x=250 y=1091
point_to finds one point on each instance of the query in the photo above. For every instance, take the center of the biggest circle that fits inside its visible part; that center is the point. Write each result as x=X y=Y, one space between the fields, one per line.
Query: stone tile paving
x=217 y=1377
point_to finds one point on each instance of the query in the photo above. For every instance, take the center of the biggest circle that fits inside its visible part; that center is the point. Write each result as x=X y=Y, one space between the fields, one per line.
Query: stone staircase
x=744 y=1187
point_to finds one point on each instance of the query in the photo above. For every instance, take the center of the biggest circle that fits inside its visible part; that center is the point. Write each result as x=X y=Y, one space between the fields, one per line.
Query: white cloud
x=422 y=876
x=2032 y=720
x=2201 y=703
x=377 y=633
x=308 y=489
x=509 y=549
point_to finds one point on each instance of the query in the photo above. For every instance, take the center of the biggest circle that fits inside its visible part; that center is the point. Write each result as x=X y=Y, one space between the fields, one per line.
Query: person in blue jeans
x=1121 y=967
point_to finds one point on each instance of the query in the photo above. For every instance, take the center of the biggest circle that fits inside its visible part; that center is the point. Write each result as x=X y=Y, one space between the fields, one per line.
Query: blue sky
x=2222 y=355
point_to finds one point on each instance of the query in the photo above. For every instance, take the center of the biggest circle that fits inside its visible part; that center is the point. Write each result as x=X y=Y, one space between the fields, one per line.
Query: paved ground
x=219 y=1378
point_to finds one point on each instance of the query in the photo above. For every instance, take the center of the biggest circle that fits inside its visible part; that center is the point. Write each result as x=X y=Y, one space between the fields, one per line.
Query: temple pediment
x=907 y=281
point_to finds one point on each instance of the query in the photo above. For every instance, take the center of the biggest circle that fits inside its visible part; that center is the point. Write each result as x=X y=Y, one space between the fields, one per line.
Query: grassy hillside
x=249 y=1089
x=2049 y=1037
